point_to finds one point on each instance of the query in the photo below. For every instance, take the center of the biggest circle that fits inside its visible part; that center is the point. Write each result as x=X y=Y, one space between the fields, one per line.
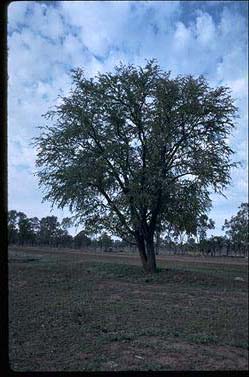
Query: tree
x=21 y=228
x=191 y=245
x=236 y=228
x=25 y=231
x=61 y=238
x=66 y=222
x=218 y=242
x=105 y=241
x=12 y=226
x=35 y=229
x=133 y=149
x=82 y=240
x=49 y=228
x=203 y=224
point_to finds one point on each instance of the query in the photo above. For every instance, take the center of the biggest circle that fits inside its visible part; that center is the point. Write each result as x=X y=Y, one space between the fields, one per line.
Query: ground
x=76 y=311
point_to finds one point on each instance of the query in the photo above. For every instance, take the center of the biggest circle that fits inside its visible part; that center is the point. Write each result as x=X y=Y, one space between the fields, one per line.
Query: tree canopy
x=237 y=227
x=47 y=231
x=135 y=150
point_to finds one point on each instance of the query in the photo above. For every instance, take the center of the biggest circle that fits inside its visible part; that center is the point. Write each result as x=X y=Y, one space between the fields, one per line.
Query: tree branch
x=115 y=208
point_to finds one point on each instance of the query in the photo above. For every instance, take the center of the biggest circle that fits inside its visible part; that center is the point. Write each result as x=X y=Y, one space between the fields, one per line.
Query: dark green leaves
x=136 y=147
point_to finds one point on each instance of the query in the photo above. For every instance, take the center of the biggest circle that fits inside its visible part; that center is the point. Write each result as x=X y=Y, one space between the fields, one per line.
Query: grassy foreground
x=71 y=313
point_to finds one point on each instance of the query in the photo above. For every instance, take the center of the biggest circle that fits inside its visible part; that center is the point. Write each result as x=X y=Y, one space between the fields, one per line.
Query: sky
x=46 y=39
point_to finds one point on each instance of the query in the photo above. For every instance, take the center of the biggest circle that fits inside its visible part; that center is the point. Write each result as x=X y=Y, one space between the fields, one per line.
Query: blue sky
x=46 y=39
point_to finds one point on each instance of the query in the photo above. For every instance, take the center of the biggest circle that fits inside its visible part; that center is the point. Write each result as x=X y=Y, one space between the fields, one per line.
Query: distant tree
x=66 y=222
x=12 y=226
x=63 y=237
x=236 y=228
x=191 y=241
x=35 y=229
x=212 y=245
x=217 y=243
x=190 y=244
x=120 y=245
x=82 y=240
x=35 y=224
x=105 y=241
x=49 y=228
x=204 y=224
x=48 y=231
x=25 y=231
x=133 y=149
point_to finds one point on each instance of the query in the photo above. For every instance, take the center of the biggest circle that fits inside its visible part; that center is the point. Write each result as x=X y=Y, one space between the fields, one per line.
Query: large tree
x=134 y=149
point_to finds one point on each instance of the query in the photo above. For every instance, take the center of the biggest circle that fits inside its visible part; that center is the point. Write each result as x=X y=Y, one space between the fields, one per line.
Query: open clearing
x=75 y=311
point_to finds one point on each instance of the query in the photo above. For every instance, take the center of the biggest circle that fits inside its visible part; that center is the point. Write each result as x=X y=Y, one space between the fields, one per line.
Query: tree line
x=233 y=242
x=48 y=231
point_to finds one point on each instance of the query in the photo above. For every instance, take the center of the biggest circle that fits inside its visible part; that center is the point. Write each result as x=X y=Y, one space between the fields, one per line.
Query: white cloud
x=205 y=30
x=46 y=21
x=182 y=37
x=17 y=13
x=96 y=31
x=239 y=87
x=45 y=42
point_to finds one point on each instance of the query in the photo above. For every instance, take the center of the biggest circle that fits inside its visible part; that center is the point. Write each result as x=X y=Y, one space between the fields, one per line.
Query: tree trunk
x=142 y=253
x=151 y=257
x=157 y=243
x=147 y=254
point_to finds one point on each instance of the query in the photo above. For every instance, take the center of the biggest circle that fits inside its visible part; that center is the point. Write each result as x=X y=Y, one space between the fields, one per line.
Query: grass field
x=73 y=311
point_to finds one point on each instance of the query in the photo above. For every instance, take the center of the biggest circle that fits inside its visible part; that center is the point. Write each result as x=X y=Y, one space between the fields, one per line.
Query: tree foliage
x=204 y=224
x=32 y=231
x=82 y=240
x=134 y=151
x=12 y=226
x=237 y=227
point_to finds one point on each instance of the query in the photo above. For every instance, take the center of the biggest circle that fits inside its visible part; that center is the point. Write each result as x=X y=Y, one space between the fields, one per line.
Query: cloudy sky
x=48 y=38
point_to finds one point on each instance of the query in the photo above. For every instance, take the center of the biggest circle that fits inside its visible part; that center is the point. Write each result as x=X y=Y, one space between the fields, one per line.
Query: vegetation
x=49 y=232
x=135 y=151
x=237 y=227
x=88 y=313
x=32 y=231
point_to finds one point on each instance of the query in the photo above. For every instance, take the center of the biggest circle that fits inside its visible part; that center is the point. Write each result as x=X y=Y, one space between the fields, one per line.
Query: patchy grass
x=70 y=312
